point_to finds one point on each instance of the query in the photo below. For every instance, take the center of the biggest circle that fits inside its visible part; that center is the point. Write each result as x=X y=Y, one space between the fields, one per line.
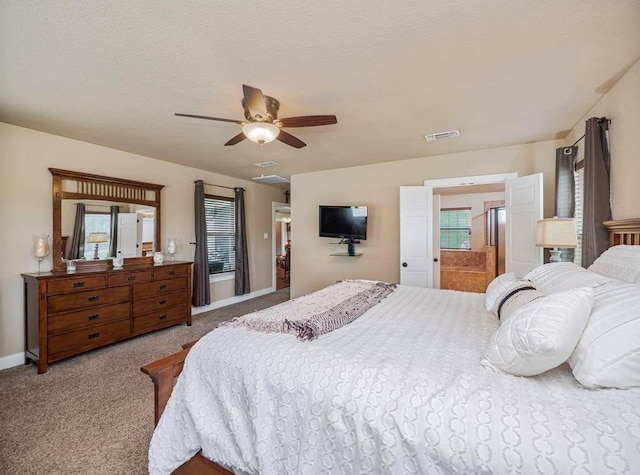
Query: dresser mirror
x=97 y=217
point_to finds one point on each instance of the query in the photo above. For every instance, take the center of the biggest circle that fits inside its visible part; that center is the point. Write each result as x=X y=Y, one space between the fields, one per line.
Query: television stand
x=351 y=247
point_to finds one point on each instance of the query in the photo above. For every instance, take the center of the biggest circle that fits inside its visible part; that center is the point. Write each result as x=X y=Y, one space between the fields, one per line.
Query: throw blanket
x=318 y=313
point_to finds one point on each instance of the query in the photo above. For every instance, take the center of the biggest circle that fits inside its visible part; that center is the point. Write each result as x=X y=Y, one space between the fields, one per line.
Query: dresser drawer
x=158 y=302
x=167 y=272
x=92 y=298
x=159 y=287
x=65 y=322
x=160 y=318
x=129 y=278
x=82 y=340
x=74 y=284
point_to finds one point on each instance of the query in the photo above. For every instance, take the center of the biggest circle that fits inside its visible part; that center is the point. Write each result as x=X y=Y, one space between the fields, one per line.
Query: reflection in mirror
x=129 y=229
x=98 y=217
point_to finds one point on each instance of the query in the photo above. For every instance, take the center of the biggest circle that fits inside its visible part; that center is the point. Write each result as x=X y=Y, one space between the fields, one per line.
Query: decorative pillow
x=619 y=262
x=515 y=296
x=559 y=276
x=608 y=354
x=496 y=288
x=541 y=335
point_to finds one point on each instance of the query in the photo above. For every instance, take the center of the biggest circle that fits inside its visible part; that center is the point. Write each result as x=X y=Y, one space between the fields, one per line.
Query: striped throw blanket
x=320 y=312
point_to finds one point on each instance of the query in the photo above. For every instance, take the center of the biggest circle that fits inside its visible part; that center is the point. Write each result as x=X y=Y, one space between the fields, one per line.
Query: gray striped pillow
x=518 y=294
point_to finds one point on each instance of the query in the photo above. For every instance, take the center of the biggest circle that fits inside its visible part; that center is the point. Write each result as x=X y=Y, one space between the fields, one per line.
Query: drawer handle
x=131 y=277
x=78 y=284
x=94 y=335
x=93 y=298
x=162 y=317
x=162 y=286
x=93 y=316
x=163 y=301
x=172 y=272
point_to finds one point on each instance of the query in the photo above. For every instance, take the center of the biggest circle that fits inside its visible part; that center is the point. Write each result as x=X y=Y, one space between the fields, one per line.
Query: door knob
x=404 y=264
x=435 y=259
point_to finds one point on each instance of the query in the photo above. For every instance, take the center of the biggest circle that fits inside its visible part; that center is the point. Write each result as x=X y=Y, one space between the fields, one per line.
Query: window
x=96 y=223
x=455 y=228
x=220 y=217
x=579 y=178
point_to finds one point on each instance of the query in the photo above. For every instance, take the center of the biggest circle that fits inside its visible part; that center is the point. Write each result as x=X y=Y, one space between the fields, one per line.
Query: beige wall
x=377 y=186
x=475 y=201
x=25 y=210
x=622 y=105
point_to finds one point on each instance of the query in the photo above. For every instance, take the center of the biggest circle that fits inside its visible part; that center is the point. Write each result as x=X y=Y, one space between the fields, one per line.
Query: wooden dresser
x=67 y=314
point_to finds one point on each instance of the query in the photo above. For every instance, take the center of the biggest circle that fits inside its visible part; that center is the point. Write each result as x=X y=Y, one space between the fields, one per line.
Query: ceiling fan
x=263 y=125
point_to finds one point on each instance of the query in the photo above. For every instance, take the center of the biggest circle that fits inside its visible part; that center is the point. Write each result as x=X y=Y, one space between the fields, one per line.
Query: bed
x=400 y=389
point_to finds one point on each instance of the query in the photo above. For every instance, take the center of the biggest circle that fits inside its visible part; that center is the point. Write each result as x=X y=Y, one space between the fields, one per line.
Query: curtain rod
x=222 y=186
x=584 y=135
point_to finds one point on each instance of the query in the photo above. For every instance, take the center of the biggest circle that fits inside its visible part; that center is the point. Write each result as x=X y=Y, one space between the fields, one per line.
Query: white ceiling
x=504 y=72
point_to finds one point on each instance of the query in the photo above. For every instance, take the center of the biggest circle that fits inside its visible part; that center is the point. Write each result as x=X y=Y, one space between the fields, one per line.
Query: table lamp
x=97 y=238
x=556 y=233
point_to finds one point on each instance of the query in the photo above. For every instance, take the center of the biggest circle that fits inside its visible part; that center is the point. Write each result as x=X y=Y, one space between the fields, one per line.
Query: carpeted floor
x=93 y=413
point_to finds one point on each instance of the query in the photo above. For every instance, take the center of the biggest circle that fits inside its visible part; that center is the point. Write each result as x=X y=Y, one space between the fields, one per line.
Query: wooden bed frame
x=164 y=371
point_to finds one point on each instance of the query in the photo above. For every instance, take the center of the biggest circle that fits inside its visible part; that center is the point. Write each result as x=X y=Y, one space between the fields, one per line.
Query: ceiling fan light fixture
x=261 y=132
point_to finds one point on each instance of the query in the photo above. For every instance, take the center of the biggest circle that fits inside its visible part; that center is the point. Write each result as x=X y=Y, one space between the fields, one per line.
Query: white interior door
x=436 y=241
x=416 y=236
x=523 y=204
x=128 y=235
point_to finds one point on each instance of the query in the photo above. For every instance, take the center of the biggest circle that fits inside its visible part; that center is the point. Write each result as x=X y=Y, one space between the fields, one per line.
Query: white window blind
x=579 y=179
x=220 y=218
x=455 y=228
x=96 y=223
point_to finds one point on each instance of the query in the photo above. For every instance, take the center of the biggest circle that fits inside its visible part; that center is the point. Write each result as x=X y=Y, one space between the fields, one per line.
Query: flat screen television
x=347 y=222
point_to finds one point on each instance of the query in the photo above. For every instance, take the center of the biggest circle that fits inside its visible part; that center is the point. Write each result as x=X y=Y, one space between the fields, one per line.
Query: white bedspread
x=399 y=391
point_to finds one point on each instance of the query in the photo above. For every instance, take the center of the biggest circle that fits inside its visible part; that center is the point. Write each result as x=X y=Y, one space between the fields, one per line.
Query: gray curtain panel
x=597 y=206
x=76 y=247
x=242 y=257
x=113 y=245
x=565 y=206
x=201 y=290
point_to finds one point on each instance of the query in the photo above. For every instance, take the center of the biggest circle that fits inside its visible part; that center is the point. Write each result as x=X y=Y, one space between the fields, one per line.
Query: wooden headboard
x=623 y=231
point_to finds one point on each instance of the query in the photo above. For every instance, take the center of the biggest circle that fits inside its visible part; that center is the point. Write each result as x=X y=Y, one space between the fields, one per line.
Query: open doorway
x=281 y=257
x=419 y=258
x=466 y=228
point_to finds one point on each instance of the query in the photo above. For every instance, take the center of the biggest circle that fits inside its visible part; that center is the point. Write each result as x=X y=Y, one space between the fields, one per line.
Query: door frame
x=461 y=181
x=275 y=205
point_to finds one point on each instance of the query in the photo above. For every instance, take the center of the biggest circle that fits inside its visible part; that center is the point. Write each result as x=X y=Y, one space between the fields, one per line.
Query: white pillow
x=496 y=288
x=559 y=276
x=608 y=354
x=619 y=262
x=541 y=335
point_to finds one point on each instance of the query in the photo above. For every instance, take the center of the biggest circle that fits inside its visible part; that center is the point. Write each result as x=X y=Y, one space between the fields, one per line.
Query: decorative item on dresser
x=70 y=314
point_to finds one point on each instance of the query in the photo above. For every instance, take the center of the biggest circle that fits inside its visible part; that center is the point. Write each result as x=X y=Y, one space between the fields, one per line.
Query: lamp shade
x=261 y=132
x=556 y=232
x=97 y=238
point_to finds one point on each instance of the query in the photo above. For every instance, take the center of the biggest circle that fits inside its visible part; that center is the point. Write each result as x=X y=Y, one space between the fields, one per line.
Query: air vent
x=442 y=135
x=266 y=164
x=270 y=179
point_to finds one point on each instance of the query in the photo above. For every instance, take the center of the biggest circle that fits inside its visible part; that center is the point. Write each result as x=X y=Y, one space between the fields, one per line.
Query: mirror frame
x=98 y=187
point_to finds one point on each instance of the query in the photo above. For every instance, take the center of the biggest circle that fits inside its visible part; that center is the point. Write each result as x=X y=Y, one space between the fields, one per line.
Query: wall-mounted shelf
x=346 y=254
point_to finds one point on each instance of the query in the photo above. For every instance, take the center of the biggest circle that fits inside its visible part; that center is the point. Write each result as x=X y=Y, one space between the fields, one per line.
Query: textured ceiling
x=504 y=72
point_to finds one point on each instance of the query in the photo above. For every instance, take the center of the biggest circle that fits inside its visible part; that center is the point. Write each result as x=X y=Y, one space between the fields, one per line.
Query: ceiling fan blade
x=290 y=140
x=236 y=139
x=209 y=118
x=309 y=121
x=254 y=102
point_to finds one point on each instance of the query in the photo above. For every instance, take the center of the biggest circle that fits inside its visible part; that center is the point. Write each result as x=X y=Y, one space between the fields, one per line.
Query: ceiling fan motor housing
x=271 y=106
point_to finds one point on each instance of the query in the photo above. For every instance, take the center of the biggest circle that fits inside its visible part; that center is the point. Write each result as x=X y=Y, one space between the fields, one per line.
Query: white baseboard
x=231 y=300
x=10 y=361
